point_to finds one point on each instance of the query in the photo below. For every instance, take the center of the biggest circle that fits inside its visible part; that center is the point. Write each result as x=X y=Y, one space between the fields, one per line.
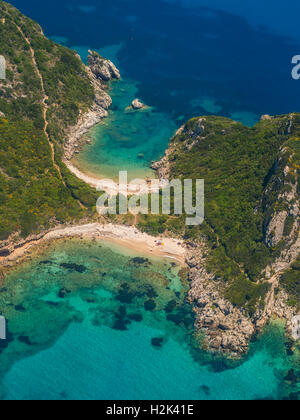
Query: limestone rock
x=266 y=117
x=137 y=104
x=102 y=68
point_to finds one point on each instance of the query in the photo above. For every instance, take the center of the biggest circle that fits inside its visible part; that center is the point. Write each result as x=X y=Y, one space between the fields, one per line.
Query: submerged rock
x=136 y=317
x=74 y=267
x=25 y=340
x=20 y=308
x=157 y=342
x=150 y=305
x=102 y=68
x=63 y=293
x=205 y=389
x=140 y=261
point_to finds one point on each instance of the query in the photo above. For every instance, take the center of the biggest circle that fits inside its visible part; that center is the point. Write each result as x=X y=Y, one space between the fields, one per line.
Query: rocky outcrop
x=282 y=209
x=296 y=327
x=137 y=104
x=102 y=68
x=162 y=167
x=228 y=330
x=99 y=110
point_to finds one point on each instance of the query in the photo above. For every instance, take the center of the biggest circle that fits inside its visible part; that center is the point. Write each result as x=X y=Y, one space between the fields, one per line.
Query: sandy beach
x=123 y=235
x=113 y=188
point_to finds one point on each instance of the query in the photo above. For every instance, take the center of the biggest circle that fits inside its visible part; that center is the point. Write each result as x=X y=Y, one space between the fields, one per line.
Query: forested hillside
x=251 y=199
x=45 y=90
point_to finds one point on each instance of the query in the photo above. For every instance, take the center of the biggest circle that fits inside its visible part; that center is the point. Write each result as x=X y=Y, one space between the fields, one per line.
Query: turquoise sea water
x=78 y=327
x=81 y=321
x=127 y=140
x=130 y=140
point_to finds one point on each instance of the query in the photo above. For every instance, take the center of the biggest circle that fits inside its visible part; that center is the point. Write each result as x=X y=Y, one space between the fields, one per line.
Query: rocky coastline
x=100 y=71
x=228 y=330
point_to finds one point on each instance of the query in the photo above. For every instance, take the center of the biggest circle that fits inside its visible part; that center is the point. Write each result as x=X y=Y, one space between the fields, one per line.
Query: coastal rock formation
x=281 y=201
x=102 y=101
x=137 y=104
x=227 y=329
x=238 y=284
x=102 y=68
x=296 y=327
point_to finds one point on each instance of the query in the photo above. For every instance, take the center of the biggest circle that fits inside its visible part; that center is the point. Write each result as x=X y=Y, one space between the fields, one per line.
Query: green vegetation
x=32 y=194
x=291 y=283
x=241 y=167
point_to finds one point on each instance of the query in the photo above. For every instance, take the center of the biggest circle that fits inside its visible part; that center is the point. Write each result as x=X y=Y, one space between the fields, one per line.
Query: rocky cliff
x=99 y=71
x=250 y=238
x=102 y=68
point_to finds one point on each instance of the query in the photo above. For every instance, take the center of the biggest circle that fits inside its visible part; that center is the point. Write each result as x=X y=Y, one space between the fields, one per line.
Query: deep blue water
x=237 y=53
x=182 y=58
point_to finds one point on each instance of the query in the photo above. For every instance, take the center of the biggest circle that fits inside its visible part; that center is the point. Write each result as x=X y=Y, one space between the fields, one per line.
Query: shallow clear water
x=127 y=140
x=79 y=329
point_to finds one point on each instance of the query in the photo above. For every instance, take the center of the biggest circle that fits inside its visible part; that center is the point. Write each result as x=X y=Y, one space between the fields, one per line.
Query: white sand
x=123 y=235
x=113 y=188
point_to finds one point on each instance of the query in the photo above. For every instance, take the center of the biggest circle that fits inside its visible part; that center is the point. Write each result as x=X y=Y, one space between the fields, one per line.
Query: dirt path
x=44 y=102
x=45 y=108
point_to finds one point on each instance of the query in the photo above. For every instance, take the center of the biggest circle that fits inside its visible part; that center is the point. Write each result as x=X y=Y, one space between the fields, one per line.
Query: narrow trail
x=45 y=107
x=44 y=102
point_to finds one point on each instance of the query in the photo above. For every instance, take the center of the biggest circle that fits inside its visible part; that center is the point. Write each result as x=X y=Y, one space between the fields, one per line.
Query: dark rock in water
x=170 y=306
x=4 y=290
x=4 y=343
x=121 y=320
x=150 y=305
x=289 y=348
x=90 y=299
x=50 y=303
x=25 y=340
x=176 y=318
x=74 y=267
x=291 y=377
x=219 y=365
x=125 y=295
x=20 y=308
x=205 y=389
x=120 y=325
x=157 y=342
x=150 y=292
x=46 y=262
x=294 y=396
x=63 y=395
x=183 y=316
x=122 y=311
x=63 y=293
x=136 y=317
x=140 y=261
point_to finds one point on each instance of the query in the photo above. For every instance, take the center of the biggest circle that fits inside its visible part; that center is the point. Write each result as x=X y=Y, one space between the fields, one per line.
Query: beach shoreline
x=127 y=236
